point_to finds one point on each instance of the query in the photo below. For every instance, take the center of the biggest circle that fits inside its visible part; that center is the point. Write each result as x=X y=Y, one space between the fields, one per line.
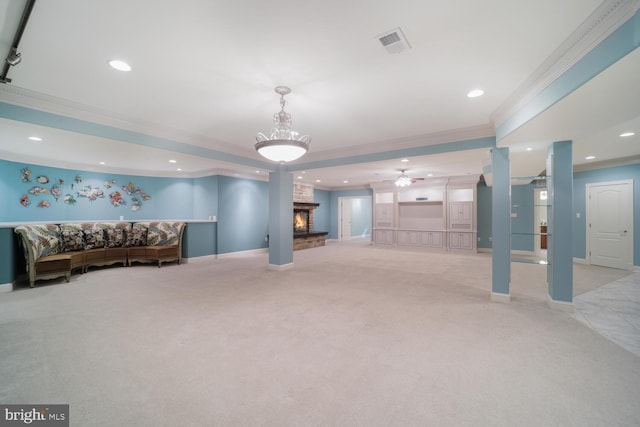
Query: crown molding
x=54 y=105
x=416 y=141
x=625 y=161
x=607 y=17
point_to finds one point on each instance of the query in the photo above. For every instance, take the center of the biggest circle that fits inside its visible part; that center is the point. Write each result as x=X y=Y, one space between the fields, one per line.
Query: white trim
x=485 y=250
x=567 y=307
x=636 y=268
x=604 y=20
x=199 y=259
x=580 y=261
x=343 y=198
x=6 y=287
x=242 y=253
x=283 y=267
x=499 y=297
x=587 y=217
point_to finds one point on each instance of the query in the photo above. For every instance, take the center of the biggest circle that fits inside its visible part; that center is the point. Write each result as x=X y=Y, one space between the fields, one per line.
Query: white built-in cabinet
x=439 y=213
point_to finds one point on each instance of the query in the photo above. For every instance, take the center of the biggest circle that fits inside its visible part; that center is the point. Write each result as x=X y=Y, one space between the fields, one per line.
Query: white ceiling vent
x=394 y=41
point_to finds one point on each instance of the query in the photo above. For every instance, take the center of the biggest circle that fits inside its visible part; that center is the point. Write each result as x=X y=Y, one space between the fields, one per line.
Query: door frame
x=343 y=199
x=587 y=200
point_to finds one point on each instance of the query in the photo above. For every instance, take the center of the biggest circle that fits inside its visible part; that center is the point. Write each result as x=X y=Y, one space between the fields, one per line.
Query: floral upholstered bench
x=53 y=250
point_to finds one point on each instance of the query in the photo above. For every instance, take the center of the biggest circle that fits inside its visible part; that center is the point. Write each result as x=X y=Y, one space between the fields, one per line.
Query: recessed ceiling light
x=429 y=174
x=303 y=172
x=317 y=180
x=172 y=161
x=404 y=160
x=102 y=163
x=299 y=177
x=257 y=171
x=35 y=138
x=475 y=93
x=529 y=148
x=590 y=157
x=624 y=135
x=178 y=169
x=345 y=181
x=119 y=65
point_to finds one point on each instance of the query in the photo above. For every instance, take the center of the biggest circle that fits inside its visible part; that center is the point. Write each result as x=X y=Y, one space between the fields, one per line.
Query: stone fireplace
x=304 y=236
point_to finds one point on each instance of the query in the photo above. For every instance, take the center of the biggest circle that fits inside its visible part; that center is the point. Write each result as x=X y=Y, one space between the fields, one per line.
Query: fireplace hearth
x=304 y=236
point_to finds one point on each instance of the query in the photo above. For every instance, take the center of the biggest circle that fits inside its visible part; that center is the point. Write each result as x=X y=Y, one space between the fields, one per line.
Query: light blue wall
x=243 y=214
x=170 y=198
x=205 y=197
x=524 y=221
x=322 y=213
x=580 y=180
x=333 y=225
x=360 y=217
x=522 y=225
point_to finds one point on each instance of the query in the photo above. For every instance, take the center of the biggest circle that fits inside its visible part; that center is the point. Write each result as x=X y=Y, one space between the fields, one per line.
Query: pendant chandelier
x=283 y=145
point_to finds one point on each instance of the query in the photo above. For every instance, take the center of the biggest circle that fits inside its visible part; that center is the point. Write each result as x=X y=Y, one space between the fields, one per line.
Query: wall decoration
x=36 y=191
x=25 y=174
x=24 y=201
x=107 y=184
x=91 y=193
x=78 y=179
x=69 y=200
x=42 y=179
x=60 y=182
x=44 y=204
x=136 y=204
x=116 y=199
x=129 y=189
x=56 y=192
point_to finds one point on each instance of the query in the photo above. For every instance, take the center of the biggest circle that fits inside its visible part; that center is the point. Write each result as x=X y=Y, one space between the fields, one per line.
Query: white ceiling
x=204 y=72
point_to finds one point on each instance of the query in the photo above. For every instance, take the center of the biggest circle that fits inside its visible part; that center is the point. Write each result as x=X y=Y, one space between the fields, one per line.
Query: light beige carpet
x=353 y=336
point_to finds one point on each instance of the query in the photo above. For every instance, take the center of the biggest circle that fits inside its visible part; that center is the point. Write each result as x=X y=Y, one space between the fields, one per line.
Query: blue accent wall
x=205 y=197
x=322 y=213
x=243 y=214
x=333 y=225
x=522 y=225
x=170 y=198
x=580 y=181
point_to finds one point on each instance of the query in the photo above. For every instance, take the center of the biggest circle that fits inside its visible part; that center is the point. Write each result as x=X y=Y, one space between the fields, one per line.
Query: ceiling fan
x=405 y=180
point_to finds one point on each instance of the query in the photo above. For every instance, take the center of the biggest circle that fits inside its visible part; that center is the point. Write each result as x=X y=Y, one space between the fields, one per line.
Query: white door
x=609 y=225
x=345 y=219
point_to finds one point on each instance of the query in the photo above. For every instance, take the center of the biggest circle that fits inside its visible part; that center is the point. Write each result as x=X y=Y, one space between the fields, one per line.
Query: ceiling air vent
x=394 y=41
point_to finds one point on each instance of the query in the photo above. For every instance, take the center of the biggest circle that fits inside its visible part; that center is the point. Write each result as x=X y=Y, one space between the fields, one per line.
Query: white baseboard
x=283 y=267
x=485 y=250
x=199 y=259
x=560 y=305
x=241 y=253
x=503 y=298
x=6 y=287
x=580 y=261
x=636 y=268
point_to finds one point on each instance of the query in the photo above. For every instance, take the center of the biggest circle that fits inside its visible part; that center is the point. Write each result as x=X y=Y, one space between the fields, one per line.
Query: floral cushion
x=44 y=239
x=72 y=240
x=115 y=233
x=94 y=238
x=136 y=236
x=164 y=233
